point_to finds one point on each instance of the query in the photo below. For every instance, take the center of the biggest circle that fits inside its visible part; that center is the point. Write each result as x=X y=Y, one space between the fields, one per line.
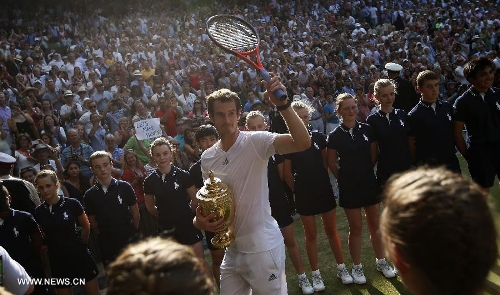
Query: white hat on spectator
x=373 y=67
x=81 y=89
x=137 y=73
x=393 y=67
x=68 y=93
x=37 y=81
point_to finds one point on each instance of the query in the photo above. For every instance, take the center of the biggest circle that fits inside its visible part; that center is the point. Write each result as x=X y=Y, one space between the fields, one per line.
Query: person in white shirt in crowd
x=186 y=98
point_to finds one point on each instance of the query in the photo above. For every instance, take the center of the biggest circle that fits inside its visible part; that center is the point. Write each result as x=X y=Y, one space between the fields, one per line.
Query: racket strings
x=233 y=35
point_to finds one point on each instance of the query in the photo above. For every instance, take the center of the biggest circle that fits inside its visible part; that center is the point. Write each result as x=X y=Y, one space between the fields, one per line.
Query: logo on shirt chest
x=176 y=185
x=16 y=232
x=120 y=201
x=316 y=146
x=65 y=215
x=498 y=105
x=449 y=117
x=365 y=137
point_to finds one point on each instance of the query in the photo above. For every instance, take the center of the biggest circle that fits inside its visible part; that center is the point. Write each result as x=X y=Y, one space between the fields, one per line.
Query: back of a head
x=441 y=225
x=158 y=266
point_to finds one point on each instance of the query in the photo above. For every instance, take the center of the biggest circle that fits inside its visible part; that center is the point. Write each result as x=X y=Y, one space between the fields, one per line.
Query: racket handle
x=279 y=93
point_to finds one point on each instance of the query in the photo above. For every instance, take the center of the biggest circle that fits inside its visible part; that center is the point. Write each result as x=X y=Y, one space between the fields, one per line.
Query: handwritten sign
x=147 y=129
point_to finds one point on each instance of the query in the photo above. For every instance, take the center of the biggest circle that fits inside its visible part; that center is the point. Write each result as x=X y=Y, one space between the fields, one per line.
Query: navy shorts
x=183 y=231
x=484 y=163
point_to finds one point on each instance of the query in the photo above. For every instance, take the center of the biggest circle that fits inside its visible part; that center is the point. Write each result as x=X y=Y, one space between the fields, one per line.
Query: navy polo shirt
x=58 y=223
x=432 y=127
x=481 y=116
x=110 y=208
x=15 y=234
x=171 y=198
x=196 y=175
x=310 y=160
x=390 y=132
x=353 y=147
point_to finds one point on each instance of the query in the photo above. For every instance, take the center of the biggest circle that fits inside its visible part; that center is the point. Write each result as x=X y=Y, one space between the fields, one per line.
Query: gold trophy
x=216 y=197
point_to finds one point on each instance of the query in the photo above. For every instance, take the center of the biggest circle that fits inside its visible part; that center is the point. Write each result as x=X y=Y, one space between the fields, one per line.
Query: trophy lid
x=213 y=188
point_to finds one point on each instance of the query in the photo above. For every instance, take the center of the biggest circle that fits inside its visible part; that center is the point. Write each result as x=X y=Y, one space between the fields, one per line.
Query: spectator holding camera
x=78 y=152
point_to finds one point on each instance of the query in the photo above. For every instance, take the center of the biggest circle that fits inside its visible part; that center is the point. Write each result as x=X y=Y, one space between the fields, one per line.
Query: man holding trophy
x=255 y=260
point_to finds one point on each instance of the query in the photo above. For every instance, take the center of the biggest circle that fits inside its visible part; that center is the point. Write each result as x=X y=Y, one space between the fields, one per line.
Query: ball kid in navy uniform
x=479 y=110
x=69 y=254
x=354 y=145
x=206 y=136
x=430 y=126
x=389 y=128
x=21 y=237
x=166 y=192
x=280 y=209
x=307 y=175
x=112 y=208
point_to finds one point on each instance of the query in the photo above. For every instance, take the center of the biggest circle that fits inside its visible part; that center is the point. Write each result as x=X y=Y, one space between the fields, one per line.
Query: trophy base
x=221 y=240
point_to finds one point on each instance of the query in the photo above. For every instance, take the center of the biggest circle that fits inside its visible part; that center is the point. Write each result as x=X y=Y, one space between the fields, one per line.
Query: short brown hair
x=99 y=154
x=426 y=76
x=158 y=266
x=159 y=142
x=46 y=173
x=222 y=95
x=441 y=225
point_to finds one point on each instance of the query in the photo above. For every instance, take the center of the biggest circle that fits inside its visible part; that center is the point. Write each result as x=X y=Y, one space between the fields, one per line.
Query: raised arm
x=298 y=139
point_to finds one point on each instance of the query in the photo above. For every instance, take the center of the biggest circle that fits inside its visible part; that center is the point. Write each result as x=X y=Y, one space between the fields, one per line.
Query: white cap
x=393 y=67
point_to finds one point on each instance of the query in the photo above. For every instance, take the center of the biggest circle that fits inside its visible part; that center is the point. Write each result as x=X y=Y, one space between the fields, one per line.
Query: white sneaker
x=385 y=268
x=305 y=285
x=343 y=274
x=357 y=274
x=318 y=284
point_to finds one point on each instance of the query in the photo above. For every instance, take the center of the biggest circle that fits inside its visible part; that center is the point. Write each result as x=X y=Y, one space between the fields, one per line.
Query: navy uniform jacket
x=15 y=235
x=111 y=209
x=432 y=128
x=170 y=194
x=481 y=116
x=390 y=133
x=58 y=223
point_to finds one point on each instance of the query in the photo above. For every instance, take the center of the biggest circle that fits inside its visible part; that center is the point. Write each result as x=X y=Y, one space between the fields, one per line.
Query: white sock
x=302 y=275
x=379 y=260
x=340 y=266
x=315 y=272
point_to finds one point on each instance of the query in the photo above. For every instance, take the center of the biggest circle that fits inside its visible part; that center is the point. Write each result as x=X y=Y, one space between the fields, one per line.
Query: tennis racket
x=239 y=38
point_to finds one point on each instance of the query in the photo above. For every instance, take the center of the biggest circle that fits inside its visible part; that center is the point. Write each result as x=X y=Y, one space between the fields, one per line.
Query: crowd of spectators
x=151 y=59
